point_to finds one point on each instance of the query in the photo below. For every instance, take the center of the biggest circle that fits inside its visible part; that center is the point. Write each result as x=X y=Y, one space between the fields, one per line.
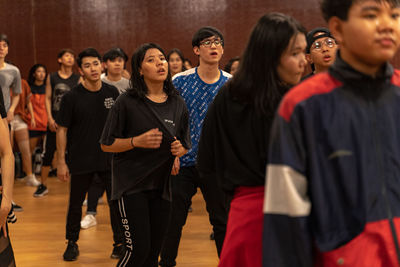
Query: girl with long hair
x=234 y=141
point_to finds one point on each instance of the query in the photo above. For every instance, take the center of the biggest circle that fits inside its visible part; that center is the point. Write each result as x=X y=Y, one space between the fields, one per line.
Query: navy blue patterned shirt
x=197 y=95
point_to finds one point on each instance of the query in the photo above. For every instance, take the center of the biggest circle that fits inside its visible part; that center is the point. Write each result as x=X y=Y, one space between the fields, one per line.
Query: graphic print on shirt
x=198 y=95
x=108 y=102
x=59 y=91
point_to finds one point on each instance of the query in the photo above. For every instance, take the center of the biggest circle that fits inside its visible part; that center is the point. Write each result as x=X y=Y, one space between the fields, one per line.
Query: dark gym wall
x=38 y=29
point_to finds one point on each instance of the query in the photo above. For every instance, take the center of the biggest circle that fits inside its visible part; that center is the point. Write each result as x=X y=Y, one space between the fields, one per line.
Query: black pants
x=79 y=186
x=96 y=190
x=184 y=187
x=49 y=148
x=144 y=217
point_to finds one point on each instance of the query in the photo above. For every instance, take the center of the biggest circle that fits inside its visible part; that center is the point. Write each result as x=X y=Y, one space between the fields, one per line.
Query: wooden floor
x=38 y=238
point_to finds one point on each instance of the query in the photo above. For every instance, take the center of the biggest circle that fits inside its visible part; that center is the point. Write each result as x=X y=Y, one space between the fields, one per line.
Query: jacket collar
x=360 y=83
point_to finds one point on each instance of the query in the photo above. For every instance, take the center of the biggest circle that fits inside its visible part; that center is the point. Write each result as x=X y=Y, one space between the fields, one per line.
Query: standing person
x=114 y=62
x=175 y=61
x=6 y=188
x=10 y=80
x=232 y=66
x=321 y=50
x=80 y=121
x=57 y=85
x=198 y=86
x=38 y=126
x=187 y=64
x=245 y=107
x=147 y=130
x=19 y=131
x=36 y=80
x=333 y=172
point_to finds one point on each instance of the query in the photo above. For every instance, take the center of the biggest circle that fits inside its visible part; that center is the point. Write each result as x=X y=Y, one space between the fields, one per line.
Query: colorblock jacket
x=333 y=178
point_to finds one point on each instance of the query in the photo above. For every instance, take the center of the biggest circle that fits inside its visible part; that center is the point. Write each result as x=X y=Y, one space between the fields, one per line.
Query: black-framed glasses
x=329 y=42
x=208 y=43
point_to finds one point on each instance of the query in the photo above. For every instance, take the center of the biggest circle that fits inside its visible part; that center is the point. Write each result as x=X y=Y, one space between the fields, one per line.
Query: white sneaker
x=88 y=221
x=32 y=181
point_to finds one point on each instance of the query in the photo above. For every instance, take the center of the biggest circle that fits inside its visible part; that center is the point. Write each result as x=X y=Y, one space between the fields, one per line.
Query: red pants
x=243 y=241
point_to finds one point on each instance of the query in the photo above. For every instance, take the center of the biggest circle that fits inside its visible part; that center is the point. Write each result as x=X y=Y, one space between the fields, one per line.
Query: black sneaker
x=72 y=251
x=118 y=251
x=41 y=191
x=17 y=207
x=212 y=237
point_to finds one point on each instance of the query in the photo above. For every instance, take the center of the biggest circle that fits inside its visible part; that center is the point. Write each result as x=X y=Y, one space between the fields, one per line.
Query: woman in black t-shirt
x=147 y=130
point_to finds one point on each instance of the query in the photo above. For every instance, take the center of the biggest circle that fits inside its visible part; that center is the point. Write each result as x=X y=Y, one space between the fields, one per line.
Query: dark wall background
x=38 y=29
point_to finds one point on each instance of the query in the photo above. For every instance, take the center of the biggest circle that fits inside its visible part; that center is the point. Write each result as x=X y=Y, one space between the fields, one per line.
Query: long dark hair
x=180 y=54
x=137 y=83
x=256 y=82
x=31 y=76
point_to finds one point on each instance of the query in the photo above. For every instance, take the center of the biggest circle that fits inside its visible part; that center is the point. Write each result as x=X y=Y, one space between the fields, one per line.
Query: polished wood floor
x=38 y=238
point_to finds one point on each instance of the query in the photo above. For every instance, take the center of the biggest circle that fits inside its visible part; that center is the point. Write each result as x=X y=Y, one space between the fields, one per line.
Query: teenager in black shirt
x=80 y=121
x=147 y=129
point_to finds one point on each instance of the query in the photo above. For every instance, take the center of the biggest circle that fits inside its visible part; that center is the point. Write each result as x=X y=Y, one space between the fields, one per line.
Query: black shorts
x=33 y=134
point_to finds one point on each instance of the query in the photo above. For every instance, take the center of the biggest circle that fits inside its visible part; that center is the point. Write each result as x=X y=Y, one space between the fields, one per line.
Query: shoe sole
x=33 y=184
x=87 y=227
x=42 y=194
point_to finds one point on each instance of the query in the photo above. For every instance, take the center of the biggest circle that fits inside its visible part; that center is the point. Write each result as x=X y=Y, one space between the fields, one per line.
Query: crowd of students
x=293 y=173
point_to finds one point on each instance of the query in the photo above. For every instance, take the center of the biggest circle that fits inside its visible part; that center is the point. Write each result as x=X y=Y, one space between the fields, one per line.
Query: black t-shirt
x=84 y=113
x=141 y=169
x=3 y=111
x=59 y=87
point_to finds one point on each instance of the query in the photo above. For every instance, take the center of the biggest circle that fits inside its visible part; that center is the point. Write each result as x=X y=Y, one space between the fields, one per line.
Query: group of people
x=293 y=173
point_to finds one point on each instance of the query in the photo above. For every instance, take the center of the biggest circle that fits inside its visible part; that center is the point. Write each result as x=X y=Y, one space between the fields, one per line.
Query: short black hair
x=115 y=53
x=65 y=50
x=340 y=8
x=4 y=38
x=88 y=52
x=204 y=33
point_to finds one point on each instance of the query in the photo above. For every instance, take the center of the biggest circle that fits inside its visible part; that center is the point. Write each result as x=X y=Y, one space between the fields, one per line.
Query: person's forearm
x=30 y=109
x=120 y=145
x=48 y=99
x=48 y=108
x=61 y=140
x=7 y=165
x=14 y=102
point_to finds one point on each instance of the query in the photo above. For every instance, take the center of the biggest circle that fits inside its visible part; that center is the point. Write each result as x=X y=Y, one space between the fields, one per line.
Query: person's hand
x=176 y=166
x=63 y=172
x=177 y=148
x=149 y=139
x=33 y=123
x=52 y=125
x=10 y=115
x=4 y=210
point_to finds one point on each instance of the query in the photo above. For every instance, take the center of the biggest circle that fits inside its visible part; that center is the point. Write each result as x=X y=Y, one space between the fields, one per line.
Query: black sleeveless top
x=59 y=87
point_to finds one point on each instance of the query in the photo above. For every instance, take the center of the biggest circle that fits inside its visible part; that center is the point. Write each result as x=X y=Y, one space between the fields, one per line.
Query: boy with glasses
x=321 y=50
x=198 y=86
